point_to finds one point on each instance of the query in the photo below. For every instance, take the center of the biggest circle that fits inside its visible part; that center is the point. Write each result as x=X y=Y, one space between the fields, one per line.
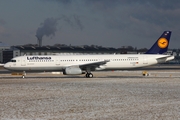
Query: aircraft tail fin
x=161 y=45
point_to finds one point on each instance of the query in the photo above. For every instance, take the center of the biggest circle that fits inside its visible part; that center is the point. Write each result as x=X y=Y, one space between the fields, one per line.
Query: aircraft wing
x=90 y=66
x=93 y=65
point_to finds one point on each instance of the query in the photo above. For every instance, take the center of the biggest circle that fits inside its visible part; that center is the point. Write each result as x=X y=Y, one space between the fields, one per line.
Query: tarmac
x=110 y=95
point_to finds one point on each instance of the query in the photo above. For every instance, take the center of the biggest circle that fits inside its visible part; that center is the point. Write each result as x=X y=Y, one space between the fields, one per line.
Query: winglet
x=161 y=45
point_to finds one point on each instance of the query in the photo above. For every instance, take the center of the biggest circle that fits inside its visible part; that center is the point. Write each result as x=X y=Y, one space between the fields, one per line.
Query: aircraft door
x=57 y=61
x=23 y=61
x=145 y=60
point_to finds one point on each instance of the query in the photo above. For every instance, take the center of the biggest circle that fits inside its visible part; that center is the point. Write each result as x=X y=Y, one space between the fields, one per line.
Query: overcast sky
x=108 y=23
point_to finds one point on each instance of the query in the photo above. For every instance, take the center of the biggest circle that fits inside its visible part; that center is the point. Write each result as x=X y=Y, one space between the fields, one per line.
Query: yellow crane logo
x=162 y=43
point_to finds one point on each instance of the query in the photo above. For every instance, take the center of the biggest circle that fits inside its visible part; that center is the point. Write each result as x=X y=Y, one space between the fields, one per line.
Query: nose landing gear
x=23 y=74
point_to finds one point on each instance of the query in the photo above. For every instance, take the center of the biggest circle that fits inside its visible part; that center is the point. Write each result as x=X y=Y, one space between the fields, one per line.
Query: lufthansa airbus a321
x=85 y=64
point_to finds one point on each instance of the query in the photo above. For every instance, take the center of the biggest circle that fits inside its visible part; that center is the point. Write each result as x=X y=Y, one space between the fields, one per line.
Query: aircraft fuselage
x=59 y=63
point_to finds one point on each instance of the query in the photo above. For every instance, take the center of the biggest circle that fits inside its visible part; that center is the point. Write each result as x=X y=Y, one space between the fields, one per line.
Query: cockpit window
x=13 y=60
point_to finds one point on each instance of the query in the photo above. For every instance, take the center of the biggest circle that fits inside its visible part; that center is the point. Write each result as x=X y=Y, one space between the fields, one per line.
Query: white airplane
x=84 y=64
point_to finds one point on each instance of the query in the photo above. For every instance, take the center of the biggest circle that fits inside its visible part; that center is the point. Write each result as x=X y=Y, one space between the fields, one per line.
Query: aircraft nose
x=6 y=66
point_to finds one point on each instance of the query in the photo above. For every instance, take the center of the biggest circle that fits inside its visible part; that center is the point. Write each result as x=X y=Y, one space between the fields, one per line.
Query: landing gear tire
x=89 y=75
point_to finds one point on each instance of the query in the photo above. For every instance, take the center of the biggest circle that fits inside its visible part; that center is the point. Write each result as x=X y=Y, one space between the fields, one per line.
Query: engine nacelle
x=72 y=71
x=102 y=67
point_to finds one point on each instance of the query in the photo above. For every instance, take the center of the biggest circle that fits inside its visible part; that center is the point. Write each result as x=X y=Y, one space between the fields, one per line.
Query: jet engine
x=73 y=71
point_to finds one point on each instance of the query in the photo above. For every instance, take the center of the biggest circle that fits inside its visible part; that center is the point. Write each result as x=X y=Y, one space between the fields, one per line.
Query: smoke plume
x=47 y=28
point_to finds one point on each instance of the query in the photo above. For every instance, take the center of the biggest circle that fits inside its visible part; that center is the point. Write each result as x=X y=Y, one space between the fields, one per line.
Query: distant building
x=4 y=46
x=4 y=51
x=49 y=50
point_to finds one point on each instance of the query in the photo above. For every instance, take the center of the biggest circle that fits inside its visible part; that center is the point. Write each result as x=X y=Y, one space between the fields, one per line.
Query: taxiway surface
x=124 y=95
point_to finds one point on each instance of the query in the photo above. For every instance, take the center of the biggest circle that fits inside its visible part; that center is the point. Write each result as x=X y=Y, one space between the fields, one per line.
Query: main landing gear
x=89 y=75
